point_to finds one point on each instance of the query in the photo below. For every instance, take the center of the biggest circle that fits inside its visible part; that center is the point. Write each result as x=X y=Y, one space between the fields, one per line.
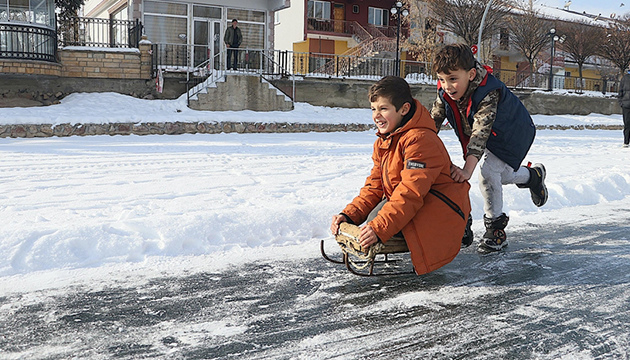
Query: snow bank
x=84 y=202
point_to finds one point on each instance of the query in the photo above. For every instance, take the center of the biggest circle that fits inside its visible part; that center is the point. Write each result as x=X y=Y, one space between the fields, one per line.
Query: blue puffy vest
x=513 y=130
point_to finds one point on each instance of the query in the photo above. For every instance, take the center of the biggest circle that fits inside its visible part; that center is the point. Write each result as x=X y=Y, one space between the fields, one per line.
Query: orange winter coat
x=407 y=164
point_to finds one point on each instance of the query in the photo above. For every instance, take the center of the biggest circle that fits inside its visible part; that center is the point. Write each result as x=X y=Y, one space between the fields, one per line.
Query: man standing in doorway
x=233 y=39
x=624 y=101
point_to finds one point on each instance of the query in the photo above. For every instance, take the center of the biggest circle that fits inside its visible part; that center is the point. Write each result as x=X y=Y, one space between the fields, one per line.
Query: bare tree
x=607 y=71
x=581 y=42
x=422 y=41
x=529 y=32
x=463 y=17
x=616 y=44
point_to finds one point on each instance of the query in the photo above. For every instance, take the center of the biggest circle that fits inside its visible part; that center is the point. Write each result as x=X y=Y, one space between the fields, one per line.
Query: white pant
x=493 y=174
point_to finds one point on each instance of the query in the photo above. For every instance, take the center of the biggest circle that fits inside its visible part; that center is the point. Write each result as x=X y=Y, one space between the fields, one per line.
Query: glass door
x=201 y=42
x=207 y=42
x=216 y=44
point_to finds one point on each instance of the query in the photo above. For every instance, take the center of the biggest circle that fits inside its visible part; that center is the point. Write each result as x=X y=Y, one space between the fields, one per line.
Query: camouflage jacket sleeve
x=438 y=113
x=482 y=124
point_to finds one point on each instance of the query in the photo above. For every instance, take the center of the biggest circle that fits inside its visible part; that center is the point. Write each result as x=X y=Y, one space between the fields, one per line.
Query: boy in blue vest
x=491 y=123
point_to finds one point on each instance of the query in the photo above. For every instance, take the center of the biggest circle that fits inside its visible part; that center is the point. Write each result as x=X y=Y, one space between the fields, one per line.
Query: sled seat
x=347 y=239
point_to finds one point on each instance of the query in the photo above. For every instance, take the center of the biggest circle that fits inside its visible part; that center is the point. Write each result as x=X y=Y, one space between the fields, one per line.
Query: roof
x=554 y=13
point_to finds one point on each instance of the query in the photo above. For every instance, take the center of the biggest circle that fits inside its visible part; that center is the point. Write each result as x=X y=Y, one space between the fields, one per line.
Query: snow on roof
x=571 y=16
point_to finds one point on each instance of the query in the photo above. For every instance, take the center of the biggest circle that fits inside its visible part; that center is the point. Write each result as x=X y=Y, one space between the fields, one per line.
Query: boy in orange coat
x=410 y=191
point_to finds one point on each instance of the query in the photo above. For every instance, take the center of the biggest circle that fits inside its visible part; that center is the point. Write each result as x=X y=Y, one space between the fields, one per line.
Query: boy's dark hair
x=234 y=20
x=394 y=88
x=452 y=58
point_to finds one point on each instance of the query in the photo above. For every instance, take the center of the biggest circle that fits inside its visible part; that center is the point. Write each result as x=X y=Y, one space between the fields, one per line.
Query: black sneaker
x=536 y=184
x=494 y=239
x=468 y=233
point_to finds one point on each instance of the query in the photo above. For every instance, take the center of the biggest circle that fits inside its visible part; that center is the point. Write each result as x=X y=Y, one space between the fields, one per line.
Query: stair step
x=241 y=92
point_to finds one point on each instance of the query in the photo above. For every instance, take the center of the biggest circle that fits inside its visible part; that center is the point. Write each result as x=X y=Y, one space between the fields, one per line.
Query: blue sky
x=605 y=7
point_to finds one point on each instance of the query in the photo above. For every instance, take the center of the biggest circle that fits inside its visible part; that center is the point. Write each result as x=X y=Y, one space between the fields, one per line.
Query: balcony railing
x=27 y=42
x=95 y=32
x=524 y=80
x=349 y=28
x=340 y=27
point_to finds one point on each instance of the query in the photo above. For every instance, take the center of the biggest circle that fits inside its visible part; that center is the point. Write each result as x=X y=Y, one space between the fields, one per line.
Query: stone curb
x=169 y=128
x=175 y=128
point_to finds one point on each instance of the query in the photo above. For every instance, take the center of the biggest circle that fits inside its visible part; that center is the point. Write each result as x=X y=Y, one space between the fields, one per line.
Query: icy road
x=207 y=247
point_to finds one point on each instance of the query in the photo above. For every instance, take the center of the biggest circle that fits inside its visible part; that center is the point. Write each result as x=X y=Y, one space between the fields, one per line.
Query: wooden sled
x=357 y=259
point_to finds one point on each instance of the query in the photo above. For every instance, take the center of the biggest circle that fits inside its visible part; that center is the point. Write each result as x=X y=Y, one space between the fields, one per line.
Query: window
x=355 y=9
x=165 y=30
x=246 y=15
x=154 y=7
x=42 y=12
x=117 y=32
x=318 y=9
x=163 y=22
x=378 y=17
x=252 y=25
x=18 y=10
x=4 y=11
x=120 y=14
x=504 y=40
x=31 y=11
x=208 y=12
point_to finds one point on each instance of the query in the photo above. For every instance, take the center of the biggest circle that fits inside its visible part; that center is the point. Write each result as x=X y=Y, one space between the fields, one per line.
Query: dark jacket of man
x=233 y=36
x=624 y=91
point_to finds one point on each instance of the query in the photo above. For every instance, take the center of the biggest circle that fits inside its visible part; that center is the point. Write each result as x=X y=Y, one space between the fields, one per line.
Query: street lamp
x=554 y=38
x=398 y=10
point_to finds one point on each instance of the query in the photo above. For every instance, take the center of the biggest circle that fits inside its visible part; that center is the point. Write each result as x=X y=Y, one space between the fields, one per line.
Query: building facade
x=194 y=29
x=333 y=27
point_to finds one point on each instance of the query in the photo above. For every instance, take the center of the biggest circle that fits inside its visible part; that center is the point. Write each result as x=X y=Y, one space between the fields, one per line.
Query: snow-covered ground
x=206 y=246
x=111 y=107
x=83 y=202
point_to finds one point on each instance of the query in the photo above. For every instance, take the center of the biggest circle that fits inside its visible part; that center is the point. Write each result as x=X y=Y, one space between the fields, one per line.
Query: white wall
x=290 y=29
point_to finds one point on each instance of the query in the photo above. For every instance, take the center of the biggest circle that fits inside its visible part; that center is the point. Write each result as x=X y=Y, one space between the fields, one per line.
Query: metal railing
x=27 y=42
x=178 y=58
x=258 y=62
x=94 y=32
x=524 y=80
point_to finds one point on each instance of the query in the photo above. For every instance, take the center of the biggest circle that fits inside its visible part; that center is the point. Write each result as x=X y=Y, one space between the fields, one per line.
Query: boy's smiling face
x=385 y=115
x=456 y=82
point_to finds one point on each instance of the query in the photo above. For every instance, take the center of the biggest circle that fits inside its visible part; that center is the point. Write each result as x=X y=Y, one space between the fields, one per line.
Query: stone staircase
x=241 y=92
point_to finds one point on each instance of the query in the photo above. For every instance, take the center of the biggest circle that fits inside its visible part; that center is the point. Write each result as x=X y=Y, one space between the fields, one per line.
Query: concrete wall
x=548 y=104
x=333 y=92
x=353 y=94
x=25 y=90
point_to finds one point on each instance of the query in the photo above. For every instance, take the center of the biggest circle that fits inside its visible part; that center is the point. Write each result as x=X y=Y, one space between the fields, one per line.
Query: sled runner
x=357 y=259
